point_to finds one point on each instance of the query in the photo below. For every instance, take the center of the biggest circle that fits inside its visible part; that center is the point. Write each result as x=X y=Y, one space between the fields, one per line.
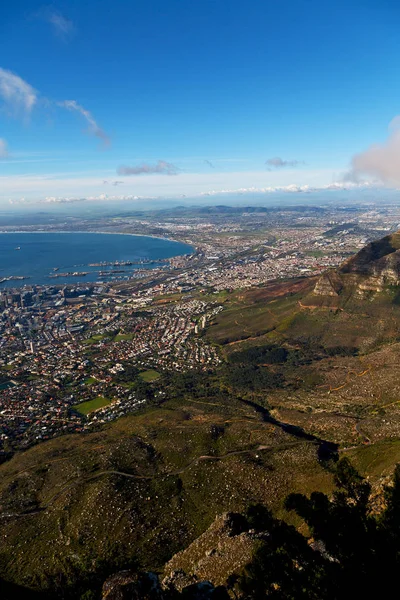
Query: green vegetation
x=95 y=338
x=376 y=460
x=123 y=337
x=341 y=547
x=90 y=381
x=305 y=378
x=252 y=378
x=195 y=456
x=349 y=551
x=128 y=375
x=356 y=553
x=168 y=298
x=84 y=408
x=220 y=296
x=315 y=253
x=149 y=375
x=291 y=315
x=244 y=318
x=140 y=485
x=259 y=355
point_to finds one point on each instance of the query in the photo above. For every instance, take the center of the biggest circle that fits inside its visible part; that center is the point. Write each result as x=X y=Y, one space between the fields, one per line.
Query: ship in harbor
x=69 y=274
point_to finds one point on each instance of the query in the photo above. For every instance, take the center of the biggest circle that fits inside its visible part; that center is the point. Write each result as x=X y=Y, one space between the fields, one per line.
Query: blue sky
x=116 y=91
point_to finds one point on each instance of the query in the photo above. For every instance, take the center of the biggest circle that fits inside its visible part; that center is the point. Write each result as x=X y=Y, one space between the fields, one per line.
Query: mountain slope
x=373 y=269
x=308 y=361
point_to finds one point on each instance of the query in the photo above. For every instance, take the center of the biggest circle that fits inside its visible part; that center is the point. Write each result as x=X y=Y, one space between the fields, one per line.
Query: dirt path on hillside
x=86 y=479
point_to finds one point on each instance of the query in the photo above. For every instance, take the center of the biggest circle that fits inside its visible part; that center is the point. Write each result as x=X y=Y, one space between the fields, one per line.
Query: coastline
x=187 y=250
x=156 y=237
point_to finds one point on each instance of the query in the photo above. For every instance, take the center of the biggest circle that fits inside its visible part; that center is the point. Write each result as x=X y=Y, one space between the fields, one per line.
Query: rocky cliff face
x=197 y=573
x=378 y=262
x=129 y=585
x=376 y=256
x=225 y=547
x=369 y=271
x=329 y=284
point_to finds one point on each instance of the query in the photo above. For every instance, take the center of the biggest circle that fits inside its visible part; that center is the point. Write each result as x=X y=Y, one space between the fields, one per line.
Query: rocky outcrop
x=329 y=284
x=130 y=585
x=204 y=591
x=377 y=265
x=379 y=260
x=375 y=253
x=223 y=549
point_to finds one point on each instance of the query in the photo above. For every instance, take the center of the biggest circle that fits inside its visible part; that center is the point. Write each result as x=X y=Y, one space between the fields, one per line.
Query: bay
x=39 y=256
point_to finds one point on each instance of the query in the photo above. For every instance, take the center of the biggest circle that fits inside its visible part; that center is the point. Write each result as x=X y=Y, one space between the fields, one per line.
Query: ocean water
x=38 y=256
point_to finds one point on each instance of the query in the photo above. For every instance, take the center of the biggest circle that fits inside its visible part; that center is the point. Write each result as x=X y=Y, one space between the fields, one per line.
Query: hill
x=311 y=372
x=142 y=489
x=355 y=306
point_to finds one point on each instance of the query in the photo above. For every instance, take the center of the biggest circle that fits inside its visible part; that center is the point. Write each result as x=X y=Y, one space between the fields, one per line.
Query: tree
x=350 y=552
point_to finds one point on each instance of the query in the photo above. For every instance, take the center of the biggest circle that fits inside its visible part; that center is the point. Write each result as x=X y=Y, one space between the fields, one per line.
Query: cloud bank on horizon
x=289 y=189
x=58 y=188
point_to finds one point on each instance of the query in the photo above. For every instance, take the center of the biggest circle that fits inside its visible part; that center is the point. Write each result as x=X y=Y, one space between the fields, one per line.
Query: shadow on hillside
x=10 y=591
x=327 y=451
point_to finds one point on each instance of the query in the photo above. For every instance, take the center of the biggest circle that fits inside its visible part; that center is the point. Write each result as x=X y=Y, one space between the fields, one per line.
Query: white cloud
x=94 y=128
x=93 y=197
x=19 y=98
x=380 y=160
x=294 y=189
x=90 y=185
x=278 y=163
x=17 y=95
x=3 y=148
x=161 y=166
x=62 y=26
